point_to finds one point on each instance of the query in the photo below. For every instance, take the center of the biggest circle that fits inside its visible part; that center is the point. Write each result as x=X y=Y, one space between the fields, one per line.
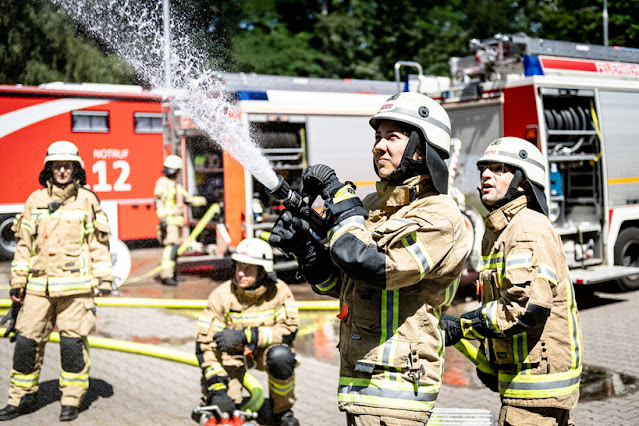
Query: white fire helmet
x=420 y=111
x=63 y=151
x=524 y=156
x=173 y=162
x=254 y=251
x=518 y=153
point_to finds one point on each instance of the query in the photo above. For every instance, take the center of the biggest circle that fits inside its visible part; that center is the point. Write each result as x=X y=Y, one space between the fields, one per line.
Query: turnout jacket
x=271 y=307
x=170 y=197
x=398 y=272
x=529 y=313
x=62 y=251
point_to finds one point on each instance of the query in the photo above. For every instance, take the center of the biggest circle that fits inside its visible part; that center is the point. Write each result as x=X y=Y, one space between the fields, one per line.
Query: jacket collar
x=407 y=192
x=499 y=219
x=60 y=194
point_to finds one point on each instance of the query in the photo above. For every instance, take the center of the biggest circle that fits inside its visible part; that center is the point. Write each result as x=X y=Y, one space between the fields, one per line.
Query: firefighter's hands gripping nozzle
x=298 y=206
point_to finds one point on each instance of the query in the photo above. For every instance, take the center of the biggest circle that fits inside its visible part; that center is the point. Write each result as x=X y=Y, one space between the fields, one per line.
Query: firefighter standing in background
x=251 y=318
x=528 y=316
x=393 y=260
x=62 y=257
x=170 y=197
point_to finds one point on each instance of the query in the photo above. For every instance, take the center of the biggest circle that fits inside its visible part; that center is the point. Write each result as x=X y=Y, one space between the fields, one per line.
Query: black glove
x=452 y=329
x=162 y=226
x=291 y=235
x=233 y=341
x=230 y=341
x=11 y=317
x=216 y=391
x=491 y=381
x=320 y=179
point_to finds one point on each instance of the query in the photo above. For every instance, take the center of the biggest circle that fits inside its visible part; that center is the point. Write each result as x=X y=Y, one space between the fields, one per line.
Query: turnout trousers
x=75 y=318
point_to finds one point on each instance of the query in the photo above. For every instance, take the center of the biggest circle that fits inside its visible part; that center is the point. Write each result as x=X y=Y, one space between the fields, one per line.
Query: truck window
x=90 y=121
x=147 y=122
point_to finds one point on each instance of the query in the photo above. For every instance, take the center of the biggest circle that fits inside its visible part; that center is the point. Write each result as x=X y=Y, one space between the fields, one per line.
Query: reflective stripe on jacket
x=400 y=271
x=61 y=252
x=525 y=270
x=271 y=307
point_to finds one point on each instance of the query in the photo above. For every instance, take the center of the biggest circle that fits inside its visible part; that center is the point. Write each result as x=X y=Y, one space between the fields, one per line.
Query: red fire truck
x=119 y=132
x=579 y=104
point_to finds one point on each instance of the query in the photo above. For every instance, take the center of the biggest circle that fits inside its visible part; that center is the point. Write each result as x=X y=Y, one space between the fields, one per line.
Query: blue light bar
x=252 y=95
x=532 y=66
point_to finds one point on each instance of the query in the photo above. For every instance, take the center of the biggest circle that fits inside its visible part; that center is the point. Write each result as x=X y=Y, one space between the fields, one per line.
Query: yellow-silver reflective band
x=493 y=261
x=327 y=284
x=489 y=311
x=418 y=253
x=539 y=386
x=353 y=221
x=291 y=306
x=547 y=272
x=392 y=394
x=246 y=319
x=205 y=321
x=74 y=379
x=25 y=380
x=389 y=324
x=17 y=265
x=519 y=260
x=213 y=370
x=281 y=389
x=218 y=326
x=265 y=335
x=575 y=338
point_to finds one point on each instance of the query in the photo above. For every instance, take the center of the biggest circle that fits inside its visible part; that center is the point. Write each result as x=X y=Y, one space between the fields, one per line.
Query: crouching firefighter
x=62 y=259
x=249 y=320
x=394 y=261
x=170 y=198
x=528 y=322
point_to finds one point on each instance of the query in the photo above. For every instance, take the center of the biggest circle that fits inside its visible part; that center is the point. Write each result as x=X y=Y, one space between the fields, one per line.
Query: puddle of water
x=598 y=383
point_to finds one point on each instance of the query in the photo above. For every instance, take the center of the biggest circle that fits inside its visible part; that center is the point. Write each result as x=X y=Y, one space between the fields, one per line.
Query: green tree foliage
x=38 y=45
x=317 y=38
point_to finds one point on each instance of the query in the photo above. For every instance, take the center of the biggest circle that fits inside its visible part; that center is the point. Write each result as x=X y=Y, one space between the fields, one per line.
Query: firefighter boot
x=169 y=281
x=288 y=419
x=28 y=403
x=68 y=413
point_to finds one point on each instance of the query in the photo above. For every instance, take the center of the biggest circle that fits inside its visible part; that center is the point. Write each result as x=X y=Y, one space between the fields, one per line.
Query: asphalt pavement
x=133 y=389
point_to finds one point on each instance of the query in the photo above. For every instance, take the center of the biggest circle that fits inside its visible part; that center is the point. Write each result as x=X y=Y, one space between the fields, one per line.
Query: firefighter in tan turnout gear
x=251 y=319
x=393 y=260
x=528 y=318
x=170 y=197
x=62 y=257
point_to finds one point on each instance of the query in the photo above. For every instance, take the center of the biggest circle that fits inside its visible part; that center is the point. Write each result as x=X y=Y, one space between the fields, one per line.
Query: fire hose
x=254 y=387
x=204 y=220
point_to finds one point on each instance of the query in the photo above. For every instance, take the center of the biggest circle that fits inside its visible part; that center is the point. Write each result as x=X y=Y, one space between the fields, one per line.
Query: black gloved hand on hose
x=452 y=329
x=340 y=200
x=291 y=235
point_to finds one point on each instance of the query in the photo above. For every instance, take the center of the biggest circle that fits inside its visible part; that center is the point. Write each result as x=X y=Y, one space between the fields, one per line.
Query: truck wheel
x=7 y=238
x=627 y=254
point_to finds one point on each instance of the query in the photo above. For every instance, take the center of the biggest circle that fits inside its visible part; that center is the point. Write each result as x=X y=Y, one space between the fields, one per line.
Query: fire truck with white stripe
x=119 y=133
x=578 y=103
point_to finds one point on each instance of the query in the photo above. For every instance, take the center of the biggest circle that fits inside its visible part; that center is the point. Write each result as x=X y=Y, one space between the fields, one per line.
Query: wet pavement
x=128 y=388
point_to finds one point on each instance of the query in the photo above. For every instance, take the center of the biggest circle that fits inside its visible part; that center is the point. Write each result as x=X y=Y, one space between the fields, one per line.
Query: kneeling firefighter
x=251 y=319
x=62 y=259
x=170 y=197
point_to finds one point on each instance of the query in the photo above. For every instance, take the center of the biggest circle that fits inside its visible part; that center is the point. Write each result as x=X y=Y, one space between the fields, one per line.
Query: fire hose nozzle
x=284 y=193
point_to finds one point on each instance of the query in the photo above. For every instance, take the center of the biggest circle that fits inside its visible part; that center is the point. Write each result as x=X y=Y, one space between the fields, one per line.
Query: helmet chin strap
x=407 y=166
x=512 y=193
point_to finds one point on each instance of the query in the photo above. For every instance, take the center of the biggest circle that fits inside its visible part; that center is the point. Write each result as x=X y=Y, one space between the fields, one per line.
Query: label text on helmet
x=387 y=106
